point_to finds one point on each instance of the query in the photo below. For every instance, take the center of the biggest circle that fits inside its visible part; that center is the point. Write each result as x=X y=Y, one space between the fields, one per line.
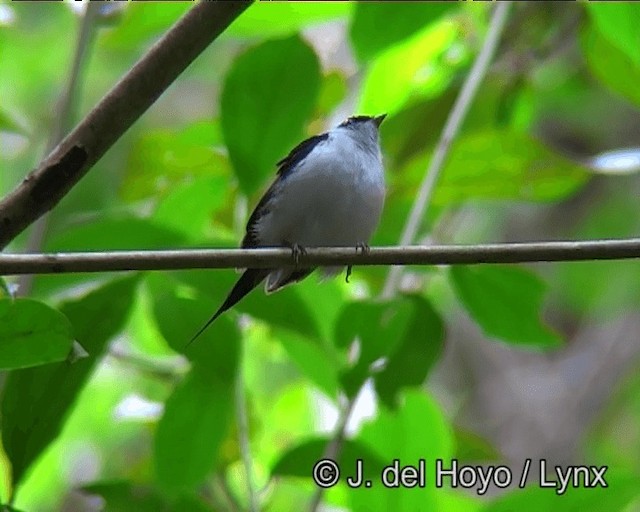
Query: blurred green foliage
x=563 y=86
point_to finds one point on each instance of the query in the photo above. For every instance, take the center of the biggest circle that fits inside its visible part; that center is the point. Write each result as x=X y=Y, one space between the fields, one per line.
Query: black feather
x=353 y=120
x=251 y=278
x=299 y=153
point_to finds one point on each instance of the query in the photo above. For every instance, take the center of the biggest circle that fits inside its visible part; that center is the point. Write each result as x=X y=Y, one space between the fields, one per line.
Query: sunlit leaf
x=265 y=19
x=162 y=159
x=140 y=23
x=333 y=91
x=261 y=118
x=414 y=68
x=611 y=65
x=618 y=23
x=378 y=25
x=31 y=334
x=188 y=208
x=506 y=302
x=500 y=165
x=37 y=401
x=9 y=124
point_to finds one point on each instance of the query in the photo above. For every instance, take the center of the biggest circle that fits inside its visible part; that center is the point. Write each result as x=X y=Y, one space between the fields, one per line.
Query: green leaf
x=313 y=360
x=31 y=334
x=287 y=308
x=162 y=159
x=500 y=165
x=196 y=420
x=610 y=65
x=300 y=460
x=470 y=447
x=189 y=207
x=506 y=303
x=620 y=495
x=333 y=91
x=601 y=289
x=407 y=332
x=409 y=70
x=417 y=430
x=378 y=327
x=140 y=23
x=112 y=234
x=261 y=118
x=419 y=348
x=378 y=25
x=9 y=124
x=264 y=19
x=123 y=496
x=37 y=401
x=618 y=23
x=198 y=414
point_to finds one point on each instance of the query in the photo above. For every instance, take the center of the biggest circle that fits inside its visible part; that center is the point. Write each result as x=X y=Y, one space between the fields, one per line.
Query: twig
x=243 y=441
x=65 y=113
x=80 y=262
x=449 y=133
x=332 y=451
x=43 y=188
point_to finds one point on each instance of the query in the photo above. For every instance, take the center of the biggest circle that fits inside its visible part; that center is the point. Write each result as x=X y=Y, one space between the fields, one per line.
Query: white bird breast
x=333 y=198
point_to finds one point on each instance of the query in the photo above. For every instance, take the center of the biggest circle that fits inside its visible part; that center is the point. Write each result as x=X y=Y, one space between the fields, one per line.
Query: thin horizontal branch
x=44 y=187
x=54 y=263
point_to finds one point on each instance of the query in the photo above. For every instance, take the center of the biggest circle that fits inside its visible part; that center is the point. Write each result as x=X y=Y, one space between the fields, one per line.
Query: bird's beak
x=378 y=119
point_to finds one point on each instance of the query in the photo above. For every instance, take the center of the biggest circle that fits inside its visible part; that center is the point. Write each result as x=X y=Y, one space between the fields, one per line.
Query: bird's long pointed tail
x=251 y=278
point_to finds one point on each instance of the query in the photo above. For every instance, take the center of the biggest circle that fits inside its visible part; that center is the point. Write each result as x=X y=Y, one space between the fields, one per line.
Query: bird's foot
x=363 y=248
x=296 y=251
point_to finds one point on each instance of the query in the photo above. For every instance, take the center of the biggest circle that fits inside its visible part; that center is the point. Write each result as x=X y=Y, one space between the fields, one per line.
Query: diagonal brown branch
x=11 y=264
x=44 y=187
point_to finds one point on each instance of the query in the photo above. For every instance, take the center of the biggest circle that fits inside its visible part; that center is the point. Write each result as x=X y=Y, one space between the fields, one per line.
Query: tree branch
x=56 y=263
x=65 y=113
x=43 y=188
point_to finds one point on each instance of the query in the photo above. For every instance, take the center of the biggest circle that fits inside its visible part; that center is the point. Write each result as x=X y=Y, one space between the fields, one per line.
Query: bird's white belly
x=325 y=208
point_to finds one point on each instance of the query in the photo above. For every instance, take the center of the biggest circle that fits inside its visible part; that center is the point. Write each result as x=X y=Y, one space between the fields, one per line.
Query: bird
x=328 y=192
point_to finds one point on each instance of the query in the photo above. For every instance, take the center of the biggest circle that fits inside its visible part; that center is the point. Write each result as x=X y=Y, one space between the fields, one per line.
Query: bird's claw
x=296 y=252
x=364 y=248
x=349 y=267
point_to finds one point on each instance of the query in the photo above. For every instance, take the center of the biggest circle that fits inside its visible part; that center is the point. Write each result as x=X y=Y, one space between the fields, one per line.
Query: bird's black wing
x=299 y=153
x=262 y=208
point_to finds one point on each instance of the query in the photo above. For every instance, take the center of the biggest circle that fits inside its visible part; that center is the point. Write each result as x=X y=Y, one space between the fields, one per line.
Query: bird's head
x=363 y=127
